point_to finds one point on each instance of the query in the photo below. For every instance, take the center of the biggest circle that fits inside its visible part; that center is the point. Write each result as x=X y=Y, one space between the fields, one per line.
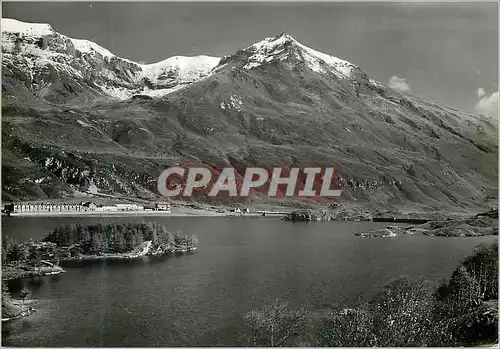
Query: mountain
x=274 y=103
x=41 y=63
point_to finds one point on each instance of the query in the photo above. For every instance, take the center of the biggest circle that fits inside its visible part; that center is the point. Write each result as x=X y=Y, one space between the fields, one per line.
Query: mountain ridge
x=154 y=79
x=43 y=51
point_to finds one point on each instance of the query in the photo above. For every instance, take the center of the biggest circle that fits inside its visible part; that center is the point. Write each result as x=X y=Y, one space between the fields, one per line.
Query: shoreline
x=25 y=271
x=183 y=213
x=25 y=312
x=124 y=213
x=117 y=256
x=12 y=272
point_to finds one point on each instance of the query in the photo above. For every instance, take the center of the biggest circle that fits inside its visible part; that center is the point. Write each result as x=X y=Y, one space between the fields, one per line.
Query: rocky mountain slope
x=275 y=103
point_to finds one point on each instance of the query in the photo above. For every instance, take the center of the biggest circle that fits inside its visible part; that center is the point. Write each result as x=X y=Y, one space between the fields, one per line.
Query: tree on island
x=25 y=293
x=34 y=256
x=117 y=238
x=11 y=252
x=7 y=246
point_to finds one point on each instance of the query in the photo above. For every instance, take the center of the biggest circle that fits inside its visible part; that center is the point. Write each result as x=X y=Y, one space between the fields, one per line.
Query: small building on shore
x=128 y=207
x=105 y=208
x=46 y=207
x=162 y=206
x=88 y=206
x=71 y=251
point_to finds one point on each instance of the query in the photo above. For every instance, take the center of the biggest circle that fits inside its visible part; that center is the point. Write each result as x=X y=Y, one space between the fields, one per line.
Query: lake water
x=199 y=299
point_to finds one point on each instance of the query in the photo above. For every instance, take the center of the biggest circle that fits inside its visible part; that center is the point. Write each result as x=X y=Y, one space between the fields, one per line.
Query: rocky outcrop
x=475 y=226
x=24 y=270
x=308 y=216
x=379 y=233
x=14 y=309
x=479 y=225
x=493 y=213
x=334 y=211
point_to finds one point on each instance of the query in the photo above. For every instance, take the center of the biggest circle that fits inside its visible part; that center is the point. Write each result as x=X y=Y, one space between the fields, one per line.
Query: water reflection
x=199 y=299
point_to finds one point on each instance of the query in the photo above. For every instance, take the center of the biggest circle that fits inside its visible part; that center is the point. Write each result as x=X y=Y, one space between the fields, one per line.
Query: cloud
x=399 y=84
x=480 y=92
x=488 y=104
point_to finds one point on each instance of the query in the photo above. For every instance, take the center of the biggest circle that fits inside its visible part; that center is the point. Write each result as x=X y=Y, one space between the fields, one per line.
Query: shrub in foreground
x=461 y=312
x=277 y=325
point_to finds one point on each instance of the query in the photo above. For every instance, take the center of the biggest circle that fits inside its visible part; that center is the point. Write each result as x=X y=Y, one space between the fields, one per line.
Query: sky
x=444 y=52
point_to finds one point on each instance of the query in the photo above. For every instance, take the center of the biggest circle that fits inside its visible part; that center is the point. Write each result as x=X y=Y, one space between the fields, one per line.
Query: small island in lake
x=334 y=212
x=77 y=242
x=118 y=241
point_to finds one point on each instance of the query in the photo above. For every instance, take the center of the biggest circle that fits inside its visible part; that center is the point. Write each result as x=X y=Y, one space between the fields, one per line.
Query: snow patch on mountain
x=376 y=83
x=83 y=123
x=181 y=68
x=234 y=102
x=161 y=91
x=30 y=29
x=315 y=59
x=266 y=51
x=273 y=48
x=116 y=92
x=86 y=46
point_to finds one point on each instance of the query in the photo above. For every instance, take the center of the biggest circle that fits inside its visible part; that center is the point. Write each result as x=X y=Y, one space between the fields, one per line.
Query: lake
x=199 y=299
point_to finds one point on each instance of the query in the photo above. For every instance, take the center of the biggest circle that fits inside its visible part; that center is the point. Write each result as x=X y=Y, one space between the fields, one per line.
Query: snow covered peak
x=10 y=25
x=39 y=50
x=270 y=43
x=275 y=48
x=185 y=62
x=34 y=31
x=185 y=69
x=267 y=50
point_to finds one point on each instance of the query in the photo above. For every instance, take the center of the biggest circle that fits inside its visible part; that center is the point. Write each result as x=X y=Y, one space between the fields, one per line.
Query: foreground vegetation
x=12 y=308
x=463 y=311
